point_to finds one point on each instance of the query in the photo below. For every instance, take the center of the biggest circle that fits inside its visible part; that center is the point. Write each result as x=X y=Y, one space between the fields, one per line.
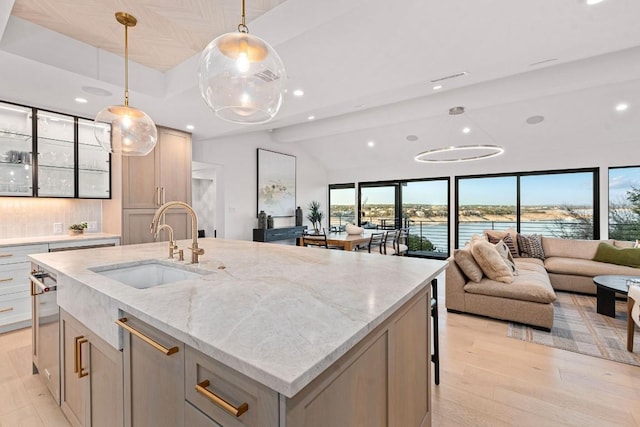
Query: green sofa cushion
x=619 y=256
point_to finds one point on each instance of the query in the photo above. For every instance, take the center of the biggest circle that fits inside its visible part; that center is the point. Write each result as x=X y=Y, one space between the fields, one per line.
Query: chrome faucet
x=156 y=226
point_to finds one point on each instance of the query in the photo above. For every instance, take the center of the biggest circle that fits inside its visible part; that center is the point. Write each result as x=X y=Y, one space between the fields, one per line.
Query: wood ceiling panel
x=168 y=31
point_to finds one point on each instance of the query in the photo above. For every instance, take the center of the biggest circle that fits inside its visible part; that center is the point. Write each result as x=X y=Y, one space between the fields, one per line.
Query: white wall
x=238 y=156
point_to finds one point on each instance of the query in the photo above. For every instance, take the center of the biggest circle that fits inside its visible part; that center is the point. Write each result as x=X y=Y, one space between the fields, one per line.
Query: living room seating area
x=527 y=295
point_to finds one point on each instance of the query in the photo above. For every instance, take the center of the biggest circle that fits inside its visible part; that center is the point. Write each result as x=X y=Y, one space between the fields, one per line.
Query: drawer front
x=233 y=387
x=15 y=308
x=194 y=418
x=14 y=278
x=16 y=254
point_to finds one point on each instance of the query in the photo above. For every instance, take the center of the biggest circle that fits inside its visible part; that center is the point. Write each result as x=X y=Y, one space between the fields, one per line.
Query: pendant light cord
x=242 y=27
x=126 y=66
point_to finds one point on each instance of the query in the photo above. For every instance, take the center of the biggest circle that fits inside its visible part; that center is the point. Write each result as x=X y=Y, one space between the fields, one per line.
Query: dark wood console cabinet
x=273 y=234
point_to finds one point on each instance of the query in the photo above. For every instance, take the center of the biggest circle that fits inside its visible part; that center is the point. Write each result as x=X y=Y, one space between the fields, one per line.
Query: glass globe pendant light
x=121 y=129
x=241 y=77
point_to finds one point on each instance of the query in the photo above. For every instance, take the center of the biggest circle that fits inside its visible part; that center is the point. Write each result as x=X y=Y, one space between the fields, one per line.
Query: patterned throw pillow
x=494 y=236
x=531 y=246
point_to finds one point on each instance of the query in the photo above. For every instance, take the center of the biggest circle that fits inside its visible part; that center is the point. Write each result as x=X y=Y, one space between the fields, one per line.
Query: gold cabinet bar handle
x=4 y=310
x=236 y=412
x=81 y=372
x=163 y=196
x=76 y=354
x=8 y=279
x=5 y=255
x=158 y=196
x=167 y=351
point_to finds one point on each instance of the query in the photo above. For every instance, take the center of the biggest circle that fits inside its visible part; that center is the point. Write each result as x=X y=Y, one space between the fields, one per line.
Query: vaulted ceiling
x=367 y=67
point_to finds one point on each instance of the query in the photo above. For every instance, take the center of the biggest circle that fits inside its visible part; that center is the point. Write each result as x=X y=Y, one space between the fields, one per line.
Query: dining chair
x=400 y=245
x=376 y=241
x=390 y=240
x=315 y=240
x=633 y=313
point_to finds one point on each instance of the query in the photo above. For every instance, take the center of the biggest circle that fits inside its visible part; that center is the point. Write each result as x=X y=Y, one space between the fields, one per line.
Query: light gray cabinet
x=15 y=298
x=91 y=383
x=153 y=376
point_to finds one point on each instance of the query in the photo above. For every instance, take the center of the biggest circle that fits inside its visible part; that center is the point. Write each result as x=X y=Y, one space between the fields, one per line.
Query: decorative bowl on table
x=353 y=229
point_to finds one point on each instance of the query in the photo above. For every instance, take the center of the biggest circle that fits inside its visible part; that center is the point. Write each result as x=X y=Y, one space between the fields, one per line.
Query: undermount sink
x=147 y=275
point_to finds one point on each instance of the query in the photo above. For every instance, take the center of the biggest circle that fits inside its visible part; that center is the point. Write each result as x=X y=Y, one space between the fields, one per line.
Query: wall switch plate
x=57 y=228
x=92 y=225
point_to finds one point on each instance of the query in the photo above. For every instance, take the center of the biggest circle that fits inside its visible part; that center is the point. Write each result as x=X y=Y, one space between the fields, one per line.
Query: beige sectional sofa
x=567 y=266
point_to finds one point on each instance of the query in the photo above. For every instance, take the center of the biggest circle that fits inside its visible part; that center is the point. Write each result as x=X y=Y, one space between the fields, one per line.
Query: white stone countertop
x=276 y=313
x=56 y=238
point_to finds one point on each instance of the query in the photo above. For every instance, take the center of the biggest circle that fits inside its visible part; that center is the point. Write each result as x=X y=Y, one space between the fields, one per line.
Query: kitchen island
x=290 y=319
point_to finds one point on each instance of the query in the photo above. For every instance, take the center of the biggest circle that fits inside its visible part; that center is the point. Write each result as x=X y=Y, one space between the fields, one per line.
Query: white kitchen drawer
x=15 y=308
x=16 y=254
x=231 y=386
x=14 y=278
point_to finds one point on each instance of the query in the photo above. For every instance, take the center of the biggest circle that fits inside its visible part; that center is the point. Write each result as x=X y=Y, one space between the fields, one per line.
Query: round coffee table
x=606 y=288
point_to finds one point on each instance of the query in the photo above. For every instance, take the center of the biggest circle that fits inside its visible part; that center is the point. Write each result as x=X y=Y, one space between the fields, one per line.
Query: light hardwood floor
x=486 y=379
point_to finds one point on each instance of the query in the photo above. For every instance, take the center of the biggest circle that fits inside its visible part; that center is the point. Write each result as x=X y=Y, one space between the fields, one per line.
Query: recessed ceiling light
x=466 y=130
x=412 y=137
x=622 y=107
x=371 y=143
x=311 y=117
x=190 y=127
x=96 y=91
x=81 y=100
x=592 y=2
x=298 y=92
x=534 y=120
x=437 y=87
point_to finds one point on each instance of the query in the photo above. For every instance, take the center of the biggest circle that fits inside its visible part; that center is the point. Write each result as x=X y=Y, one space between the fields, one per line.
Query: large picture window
x=422 y=206
x=624 y=203
x=342 y=206
x=555 y=203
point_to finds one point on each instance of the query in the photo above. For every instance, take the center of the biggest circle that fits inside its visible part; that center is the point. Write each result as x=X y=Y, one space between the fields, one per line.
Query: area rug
x=579 y=328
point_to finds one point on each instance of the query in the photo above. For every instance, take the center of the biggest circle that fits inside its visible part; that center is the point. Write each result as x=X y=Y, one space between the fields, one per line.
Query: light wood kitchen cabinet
x=153 y=376
x=142 y=184
x=194 y=418
x=136 y=224
x=161 y=176
x=226 y=396
x=383 y=381
x=91 y=383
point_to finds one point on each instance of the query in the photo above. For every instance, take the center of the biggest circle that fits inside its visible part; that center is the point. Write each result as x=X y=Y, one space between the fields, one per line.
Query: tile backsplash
x=29 y=217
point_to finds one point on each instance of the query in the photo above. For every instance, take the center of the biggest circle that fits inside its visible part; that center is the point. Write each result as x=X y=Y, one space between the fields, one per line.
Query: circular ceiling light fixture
x=622 y=107
x=121 y=129
x=456 y=147
x=241 y=77
x=462 y=153
x=412 y=138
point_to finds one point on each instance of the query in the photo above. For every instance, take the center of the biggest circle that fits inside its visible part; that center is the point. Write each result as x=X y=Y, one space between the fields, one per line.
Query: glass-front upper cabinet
x=56 y=155
x=16 y=146
x=93 y=164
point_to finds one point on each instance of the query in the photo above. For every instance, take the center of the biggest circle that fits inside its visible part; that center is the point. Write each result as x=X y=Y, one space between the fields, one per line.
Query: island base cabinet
x=91 y=383
x=153 y=376
x=383 y=381
x=209 y=385
x=194 y=418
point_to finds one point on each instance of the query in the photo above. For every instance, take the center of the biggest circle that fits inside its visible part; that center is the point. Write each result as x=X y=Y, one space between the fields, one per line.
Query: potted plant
x=77 y=228
x=315 y=215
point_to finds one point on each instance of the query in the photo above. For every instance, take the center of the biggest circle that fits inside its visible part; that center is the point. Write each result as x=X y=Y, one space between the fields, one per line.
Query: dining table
x=348 y=242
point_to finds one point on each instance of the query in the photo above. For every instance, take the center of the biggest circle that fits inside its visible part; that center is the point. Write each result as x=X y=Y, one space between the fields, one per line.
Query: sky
x=574 y=189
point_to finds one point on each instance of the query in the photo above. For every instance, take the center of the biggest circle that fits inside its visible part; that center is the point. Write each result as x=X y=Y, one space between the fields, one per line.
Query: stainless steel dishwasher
x=45 y=314
x=45 y=329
